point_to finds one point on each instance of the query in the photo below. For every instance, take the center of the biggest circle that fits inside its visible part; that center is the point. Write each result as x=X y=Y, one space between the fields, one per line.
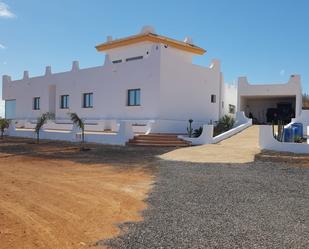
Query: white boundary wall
x=120 y=138
x=268 y=142
x=242 y=123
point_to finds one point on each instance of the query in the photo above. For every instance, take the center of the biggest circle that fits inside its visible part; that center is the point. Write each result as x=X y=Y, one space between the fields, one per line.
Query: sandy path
x=46 y=203
x=240 y=148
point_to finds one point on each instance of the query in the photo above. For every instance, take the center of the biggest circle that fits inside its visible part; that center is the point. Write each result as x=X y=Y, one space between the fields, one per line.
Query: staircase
x=160 y=140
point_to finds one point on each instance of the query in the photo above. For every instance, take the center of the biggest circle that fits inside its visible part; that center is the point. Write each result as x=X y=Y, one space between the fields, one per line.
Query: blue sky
x=264 y=40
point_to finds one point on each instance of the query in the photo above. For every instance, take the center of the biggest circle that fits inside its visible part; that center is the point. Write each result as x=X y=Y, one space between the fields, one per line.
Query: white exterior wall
x=109 y=84
x=185 y=90
x=129 y=51
x=173 y=90
x=291 y=88
x=229 y=96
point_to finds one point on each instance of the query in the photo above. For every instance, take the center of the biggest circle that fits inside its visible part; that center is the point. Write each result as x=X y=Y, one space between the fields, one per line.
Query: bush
x=4 y=124
x=298 y=139
x=198 y=132
x=224 y=124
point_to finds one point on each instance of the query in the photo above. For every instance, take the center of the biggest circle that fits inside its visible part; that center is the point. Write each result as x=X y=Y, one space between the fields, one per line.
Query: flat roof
x=152 y=38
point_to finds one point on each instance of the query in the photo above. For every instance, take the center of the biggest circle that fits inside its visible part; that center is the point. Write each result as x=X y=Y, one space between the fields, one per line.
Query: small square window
x=117 y=61
x=87 y=100
x=36 y=103
x=64 y=101
x=213 y=98
x=134 y=97
x=134 y=58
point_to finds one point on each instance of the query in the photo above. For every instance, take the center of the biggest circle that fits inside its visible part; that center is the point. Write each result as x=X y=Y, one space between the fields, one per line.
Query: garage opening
x=265 y=110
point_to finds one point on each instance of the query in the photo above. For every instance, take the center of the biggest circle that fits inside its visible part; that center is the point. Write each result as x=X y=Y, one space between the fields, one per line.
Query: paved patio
x=240 y=148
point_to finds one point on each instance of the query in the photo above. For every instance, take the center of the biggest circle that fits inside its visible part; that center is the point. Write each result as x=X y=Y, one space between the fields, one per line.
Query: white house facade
x=144 y=78
x=148 y=81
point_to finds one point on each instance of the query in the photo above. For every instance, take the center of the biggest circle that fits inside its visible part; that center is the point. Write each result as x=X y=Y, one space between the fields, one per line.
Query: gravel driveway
x=255 y=205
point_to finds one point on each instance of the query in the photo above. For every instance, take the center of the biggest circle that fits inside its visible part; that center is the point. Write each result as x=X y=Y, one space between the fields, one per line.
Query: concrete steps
x=158 y=140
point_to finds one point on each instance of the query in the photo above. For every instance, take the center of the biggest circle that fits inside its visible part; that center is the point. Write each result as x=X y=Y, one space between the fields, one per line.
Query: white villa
x=149 y=84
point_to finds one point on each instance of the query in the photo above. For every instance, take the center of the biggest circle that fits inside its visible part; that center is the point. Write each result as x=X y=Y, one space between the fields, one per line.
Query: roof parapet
x=243 y=80
x=75 y=66
x=26 y=75
x=148 y=35
x=6 y=79
x=48 y=71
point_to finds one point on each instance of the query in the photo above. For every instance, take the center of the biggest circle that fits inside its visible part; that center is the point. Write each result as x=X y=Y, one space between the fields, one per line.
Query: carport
x=265 y=103
x=266 y=109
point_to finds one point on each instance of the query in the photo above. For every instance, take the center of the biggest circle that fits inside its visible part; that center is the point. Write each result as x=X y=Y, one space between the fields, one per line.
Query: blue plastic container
x=288 y=135
x=297 y=129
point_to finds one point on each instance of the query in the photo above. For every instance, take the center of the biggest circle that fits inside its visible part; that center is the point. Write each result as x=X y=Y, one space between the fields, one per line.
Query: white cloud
x=2 y=46
x=282 y=72
x=5 y=11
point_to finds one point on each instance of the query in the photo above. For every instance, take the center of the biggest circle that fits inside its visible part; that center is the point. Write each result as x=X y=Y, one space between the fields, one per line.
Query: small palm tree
x=40 y=122
x=4 y=124
x=80 y=124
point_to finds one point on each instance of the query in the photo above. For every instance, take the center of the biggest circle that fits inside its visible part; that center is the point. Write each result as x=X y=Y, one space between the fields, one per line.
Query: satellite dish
x=188 y=40
x=147 y=30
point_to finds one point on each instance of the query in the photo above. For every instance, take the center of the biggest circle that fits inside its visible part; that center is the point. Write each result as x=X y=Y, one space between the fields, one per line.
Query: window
x=134 y=58
x=232 y=109
x=117 y=61
x=134 y=97
x=64 y=101
x=87 y=100
x=213 y=98
x=10 y=109
x=36 y=103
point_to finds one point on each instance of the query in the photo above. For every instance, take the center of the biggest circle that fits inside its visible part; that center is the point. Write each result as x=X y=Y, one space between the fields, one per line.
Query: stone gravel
x=255 y=205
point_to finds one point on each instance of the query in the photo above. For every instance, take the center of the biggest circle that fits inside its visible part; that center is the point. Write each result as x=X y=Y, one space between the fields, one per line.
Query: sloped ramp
x=240 y=148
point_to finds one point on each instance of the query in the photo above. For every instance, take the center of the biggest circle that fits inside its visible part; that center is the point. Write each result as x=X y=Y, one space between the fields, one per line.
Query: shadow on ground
x=97 y=154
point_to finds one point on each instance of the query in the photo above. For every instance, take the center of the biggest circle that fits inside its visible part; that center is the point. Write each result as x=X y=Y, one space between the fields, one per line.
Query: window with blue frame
x=87 y=100
x=36 y=103
x=134 y=97
x=64 y=101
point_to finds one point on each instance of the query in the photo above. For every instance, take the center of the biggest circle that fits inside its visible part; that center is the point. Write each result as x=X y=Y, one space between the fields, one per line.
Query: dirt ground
x=54 y=196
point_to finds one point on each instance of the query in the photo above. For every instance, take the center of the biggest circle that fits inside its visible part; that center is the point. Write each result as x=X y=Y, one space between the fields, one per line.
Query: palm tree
x=40 y=122
x=4 y=124
x=80 y=124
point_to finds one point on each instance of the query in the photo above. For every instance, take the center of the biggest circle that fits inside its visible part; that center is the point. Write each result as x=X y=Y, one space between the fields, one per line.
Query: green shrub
x=298 y=139
x=4 y=124
x=224 y=124
x=198 y=132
